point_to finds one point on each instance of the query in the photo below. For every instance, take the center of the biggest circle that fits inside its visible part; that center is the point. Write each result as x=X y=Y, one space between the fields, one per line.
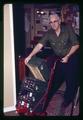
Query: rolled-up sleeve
x=44 y=39
x=73 y=37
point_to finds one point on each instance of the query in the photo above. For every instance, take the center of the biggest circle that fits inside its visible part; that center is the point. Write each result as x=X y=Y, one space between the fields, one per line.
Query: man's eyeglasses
x=53 y=22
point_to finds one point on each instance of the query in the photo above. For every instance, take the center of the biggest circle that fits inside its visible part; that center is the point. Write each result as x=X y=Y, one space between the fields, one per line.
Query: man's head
x=55 y=21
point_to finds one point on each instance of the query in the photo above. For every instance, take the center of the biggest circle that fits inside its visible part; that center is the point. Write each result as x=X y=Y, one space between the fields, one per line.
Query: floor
x=53 y=108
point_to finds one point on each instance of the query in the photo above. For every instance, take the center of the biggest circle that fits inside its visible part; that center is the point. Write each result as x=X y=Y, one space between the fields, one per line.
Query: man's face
x=55 y=22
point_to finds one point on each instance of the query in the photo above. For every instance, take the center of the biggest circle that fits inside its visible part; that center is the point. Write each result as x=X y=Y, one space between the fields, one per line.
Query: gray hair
x=56 y=15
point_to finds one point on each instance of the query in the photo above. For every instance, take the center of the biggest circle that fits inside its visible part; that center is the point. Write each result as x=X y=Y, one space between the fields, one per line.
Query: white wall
x=9 y=60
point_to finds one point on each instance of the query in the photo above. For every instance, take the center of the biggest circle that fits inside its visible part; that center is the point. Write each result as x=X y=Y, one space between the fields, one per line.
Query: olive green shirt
x=60 y=44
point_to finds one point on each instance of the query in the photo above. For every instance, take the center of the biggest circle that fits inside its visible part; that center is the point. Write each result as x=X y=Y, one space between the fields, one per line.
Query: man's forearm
x=37 y=48
x=72 y=50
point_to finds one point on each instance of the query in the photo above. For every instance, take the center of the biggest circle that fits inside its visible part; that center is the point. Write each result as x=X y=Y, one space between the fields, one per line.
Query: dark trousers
x=72 y=77
x=68 y=72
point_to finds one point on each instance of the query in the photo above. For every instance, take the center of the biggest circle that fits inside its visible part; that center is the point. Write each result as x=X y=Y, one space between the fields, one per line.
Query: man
x=65 y=45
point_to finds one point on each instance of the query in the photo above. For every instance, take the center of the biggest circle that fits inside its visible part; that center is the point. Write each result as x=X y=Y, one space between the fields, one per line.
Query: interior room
x=24 y=26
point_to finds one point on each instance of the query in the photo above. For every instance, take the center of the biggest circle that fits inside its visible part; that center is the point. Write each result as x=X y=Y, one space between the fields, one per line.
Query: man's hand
x=27 y=60
x=65 y=59
x=72 y=51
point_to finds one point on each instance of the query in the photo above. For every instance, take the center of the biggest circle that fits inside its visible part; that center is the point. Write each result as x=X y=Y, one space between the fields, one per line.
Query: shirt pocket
x=65 y=40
